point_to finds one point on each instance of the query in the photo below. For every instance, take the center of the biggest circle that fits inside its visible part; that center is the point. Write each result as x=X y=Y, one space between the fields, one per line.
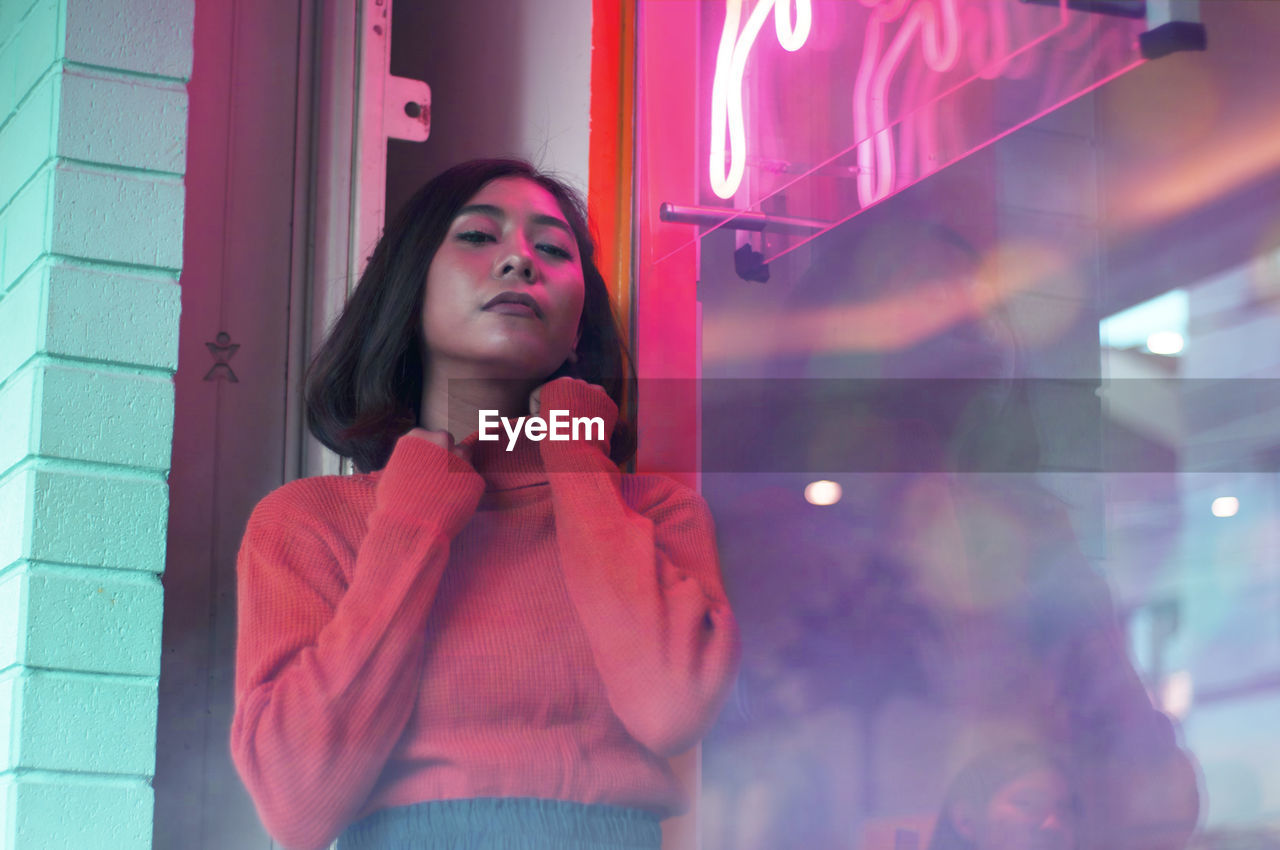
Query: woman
x=1011 y=799
x=465 y=645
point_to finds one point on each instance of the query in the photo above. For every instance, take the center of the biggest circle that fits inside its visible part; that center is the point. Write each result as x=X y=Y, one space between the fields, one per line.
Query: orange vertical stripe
x=612 y=143
x=610 y=202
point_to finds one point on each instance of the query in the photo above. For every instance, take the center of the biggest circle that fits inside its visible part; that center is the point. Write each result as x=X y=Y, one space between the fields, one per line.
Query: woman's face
x=1033 y=812
x=505 y=289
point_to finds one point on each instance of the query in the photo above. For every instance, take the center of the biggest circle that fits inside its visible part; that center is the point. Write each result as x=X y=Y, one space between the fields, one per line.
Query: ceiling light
x=822 y=493
x=1165 y=342
x=1225 y=506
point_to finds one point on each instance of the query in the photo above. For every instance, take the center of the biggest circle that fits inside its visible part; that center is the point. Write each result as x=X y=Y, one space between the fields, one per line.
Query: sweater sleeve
x=326 y=672
x=646 y=586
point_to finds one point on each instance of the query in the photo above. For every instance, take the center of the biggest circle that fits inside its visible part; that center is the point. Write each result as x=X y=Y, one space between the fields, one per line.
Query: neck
x=455 y=405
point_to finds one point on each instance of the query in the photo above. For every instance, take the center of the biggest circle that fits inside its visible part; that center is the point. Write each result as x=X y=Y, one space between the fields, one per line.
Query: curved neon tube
x=939 y=28
x=726 y=87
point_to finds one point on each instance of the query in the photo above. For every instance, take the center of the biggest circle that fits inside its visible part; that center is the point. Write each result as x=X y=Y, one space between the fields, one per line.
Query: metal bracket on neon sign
x=1172 y=25
x=406 y=109
x=1118 y=8
x=388 y=108
x=404 y=103
x=748 y=263
x=738 y=219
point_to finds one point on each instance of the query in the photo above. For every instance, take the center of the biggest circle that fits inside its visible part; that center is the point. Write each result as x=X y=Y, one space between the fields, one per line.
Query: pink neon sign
x=857 y=100
x=937 y=27
x=726 y=91
x=938 y=35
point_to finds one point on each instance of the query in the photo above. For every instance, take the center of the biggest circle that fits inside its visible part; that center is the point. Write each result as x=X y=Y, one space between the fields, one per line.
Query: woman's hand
x=535 y=404
x=444 y=440
x=583 y=402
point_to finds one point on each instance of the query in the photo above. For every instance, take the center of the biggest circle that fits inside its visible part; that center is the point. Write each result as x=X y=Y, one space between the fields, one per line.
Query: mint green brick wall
x=93 y=124
x=83 y=412
x=122 y=217
x=72 y=514
x=15 y=519
x=29 y=47
x=25 y=228
x=144 y=36
x=10 y=15
x=117 y=119
x=111 y=812
x=13 y=625
x=17 y=397
x=27 y=139
x=71 y=310
x=90 y=620
x=92 y=115
x=81 y=723
x=20 y=316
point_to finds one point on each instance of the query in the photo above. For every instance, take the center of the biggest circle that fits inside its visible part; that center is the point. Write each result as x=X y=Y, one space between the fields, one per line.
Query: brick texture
x=93 y=124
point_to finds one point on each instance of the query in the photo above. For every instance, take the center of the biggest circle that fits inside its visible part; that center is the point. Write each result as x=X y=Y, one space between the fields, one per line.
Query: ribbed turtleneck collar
x=506 y=470
x=501 y=469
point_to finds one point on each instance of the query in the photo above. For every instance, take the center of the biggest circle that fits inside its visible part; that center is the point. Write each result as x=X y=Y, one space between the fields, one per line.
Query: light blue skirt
x=504 y=823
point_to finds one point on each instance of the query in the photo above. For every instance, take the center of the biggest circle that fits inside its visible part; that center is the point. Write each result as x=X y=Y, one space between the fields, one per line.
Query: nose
x=516 y=263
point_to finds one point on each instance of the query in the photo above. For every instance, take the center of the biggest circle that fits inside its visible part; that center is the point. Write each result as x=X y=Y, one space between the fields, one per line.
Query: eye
x=476 y=237
x=555 y=251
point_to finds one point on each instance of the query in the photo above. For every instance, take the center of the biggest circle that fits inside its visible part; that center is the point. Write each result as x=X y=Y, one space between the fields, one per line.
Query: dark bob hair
x=363 y=388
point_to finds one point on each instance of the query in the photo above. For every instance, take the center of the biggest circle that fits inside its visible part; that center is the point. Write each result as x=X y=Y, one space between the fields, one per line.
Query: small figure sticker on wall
x=222 y=350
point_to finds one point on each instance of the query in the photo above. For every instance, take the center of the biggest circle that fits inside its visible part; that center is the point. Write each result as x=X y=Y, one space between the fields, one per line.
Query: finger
x=464 y=451
x=424 y=434
x=440 y=438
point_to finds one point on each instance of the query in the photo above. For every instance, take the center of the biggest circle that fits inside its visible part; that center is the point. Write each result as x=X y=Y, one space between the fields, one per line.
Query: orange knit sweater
x=542 y=627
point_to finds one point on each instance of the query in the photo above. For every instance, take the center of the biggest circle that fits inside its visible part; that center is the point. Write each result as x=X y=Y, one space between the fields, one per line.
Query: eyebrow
x=499 y=213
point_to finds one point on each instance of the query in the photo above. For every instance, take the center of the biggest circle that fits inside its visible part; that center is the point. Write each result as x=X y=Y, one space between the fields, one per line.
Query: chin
x=504 y=360
x=517 y=370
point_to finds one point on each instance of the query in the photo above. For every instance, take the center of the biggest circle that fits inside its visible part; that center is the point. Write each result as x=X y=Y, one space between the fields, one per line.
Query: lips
x=514 y=298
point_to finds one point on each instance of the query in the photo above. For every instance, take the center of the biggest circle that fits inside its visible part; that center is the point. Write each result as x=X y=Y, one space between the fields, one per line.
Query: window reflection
x=903 y=639
x=1074 y=554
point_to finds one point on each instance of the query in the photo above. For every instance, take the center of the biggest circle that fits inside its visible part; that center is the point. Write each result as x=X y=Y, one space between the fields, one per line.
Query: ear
x=573 y=352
